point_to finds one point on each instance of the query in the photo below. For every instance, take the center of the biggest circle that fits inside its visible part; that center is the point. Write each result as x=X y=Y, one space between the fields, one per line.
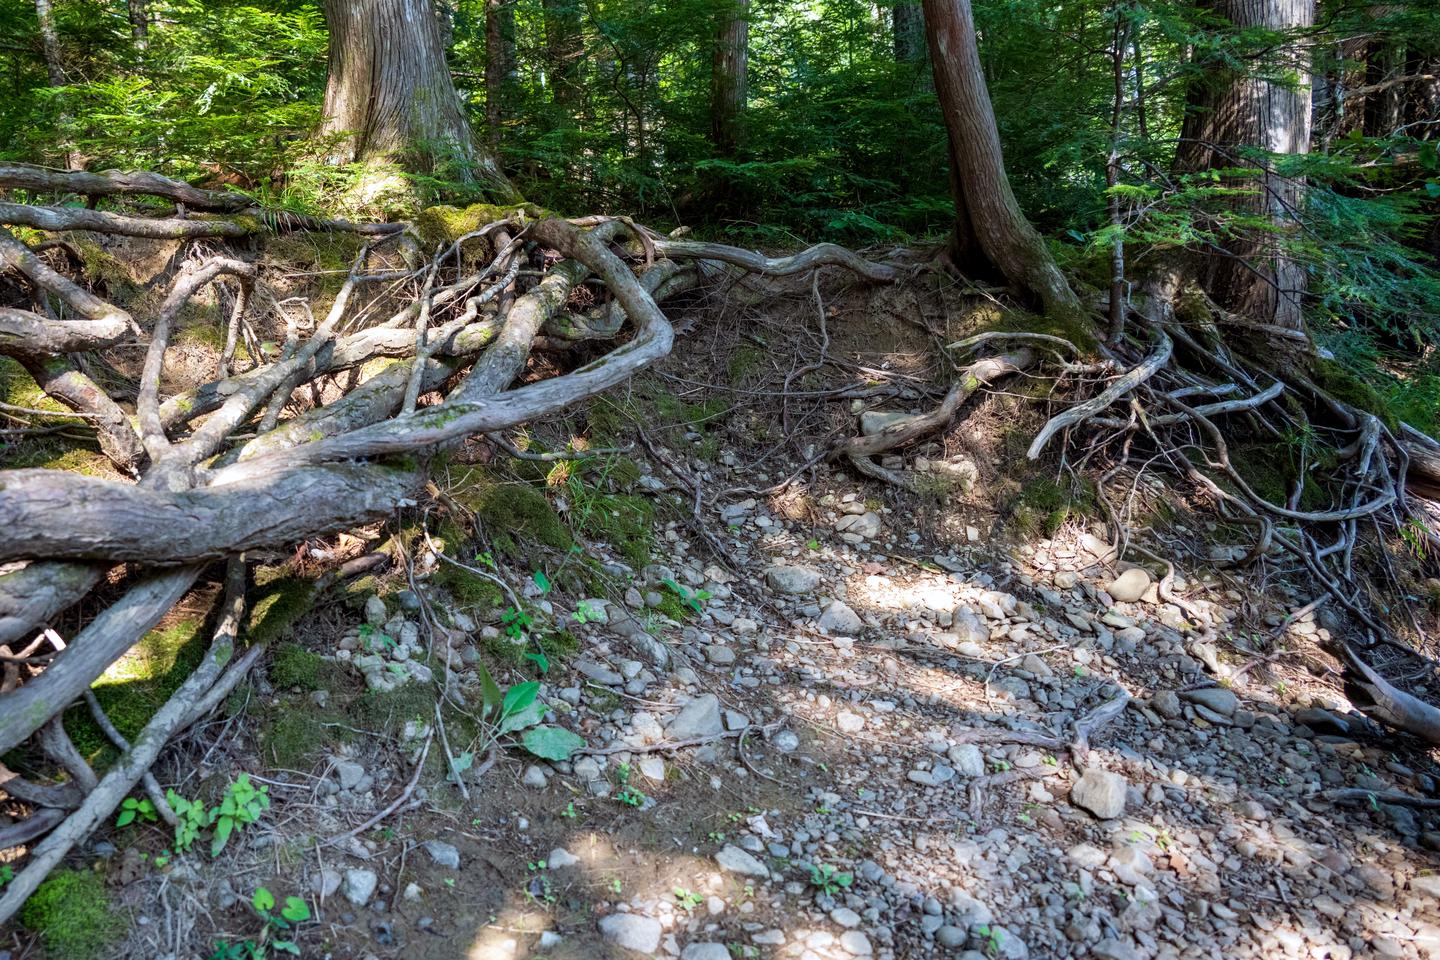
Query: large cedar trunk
x=1234 y=111
x=390 y=97
x=731 y=75
x=499 y=63
x=991 y=233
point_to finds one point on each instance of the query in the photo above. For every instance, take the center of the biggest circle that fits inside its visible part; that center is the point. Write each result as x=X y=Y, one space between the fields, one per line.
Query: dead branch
x=1123 y=385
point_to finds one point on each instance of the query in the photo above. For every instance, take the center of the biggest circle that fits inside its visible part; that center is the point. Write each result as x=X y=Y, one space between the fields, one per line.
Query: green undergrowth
x=277 y=602
x=135 y=686
x=292 y=666
x=444 y=224
x=1078 y=332
x=1044 y=504
x=646 y=402
x=72 y=913
x=1272 y=468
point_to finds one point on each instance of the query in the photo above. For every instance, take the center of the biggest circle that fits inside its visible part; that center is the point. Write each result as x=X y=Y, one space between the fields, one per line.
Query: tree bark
x=139 y=22
x=730 y=77
x=499 y=64
x=390 y=97
x=1230 y=115
x=564 y=49
x=991 y=233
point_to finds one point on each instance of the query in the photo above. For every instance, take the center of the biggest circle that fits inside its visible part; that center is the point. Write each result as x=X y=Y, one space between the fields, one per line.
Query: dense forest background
x=835 y=132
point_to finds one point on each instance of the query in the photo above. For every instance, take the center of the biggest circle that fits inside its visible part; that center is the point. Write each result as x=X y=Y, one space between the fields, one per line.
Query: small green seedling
x=994 y=938
x=830 y=880
x=691 y=598
x=136 y=809
x=275 y=935
x=687 y=899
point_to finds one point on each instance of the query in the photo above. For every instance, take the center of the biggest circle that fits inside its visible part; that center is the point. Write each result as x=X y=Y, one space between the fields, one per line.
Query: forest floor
x=875 y=688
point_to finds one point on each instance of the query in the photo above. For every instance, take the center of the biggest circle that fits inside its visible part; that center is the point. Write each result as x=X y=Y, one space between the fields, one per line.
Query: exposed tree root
x=221 y=469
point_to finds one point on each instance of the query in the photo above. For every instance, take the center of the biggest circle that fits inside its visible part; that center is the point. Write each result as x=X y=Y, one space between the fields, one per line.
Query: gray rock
x=848 y=918
x=1166 y=703
x=359 y=885
x=1129 y=586
x=705 y=951
x=1112 y=949
x=698 y=718
x=325 y=883
x=952 y=938
x=560 y=858
x=375 y=613
x=856 y=943
x=861 y=527
x=600 y=673
x=535 y=777
x=786 y=741
x=734 y=860
x=443 y=853
x=792 y=580
x=719 y=654
x=349 y=773
x=1219 y=699
x=632 y=932
x=840 y=620
x=968 y=626
x=847 y=722
x=1101 y=792
x=967 y=759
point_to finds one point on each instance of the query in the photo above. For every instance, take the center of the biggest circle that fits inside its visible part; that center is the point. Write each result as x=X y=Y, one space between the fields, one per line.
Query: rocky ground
x=855 y=736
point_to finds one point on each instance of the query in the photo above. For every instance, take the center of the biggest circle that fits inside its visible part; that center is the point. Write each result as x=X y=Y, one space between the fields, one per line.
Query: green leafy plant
x=7 y=873
x=242 y=804
x=994 y=938
x=628 y=794
x=687 y=899
x=691 y=598
x=192 y=819
x=136 y=809
x=275 y=935
x=829 y=879
x=372 y=639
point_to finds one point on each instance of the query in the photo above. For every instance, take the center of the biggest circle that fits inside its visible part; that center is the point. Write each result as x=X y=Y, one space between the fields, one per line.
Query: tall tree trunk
x=55 y=70
x=730 y=77
x=390 y=98
x=991 y=233
x=139 y=13
x=499 y=64
x=909 y=37
x=1232 y=112
x=564 y=48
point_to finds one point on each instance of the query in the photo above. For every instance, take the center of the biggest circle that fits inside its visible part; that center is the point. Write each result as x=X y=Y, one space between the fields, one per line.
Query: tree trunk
x=729 y=79
x=499 y=64
x=139 y=22
x=390 y=98
x=564 y=48
x=1231 y=113
x=991 y=233
x=909 y=32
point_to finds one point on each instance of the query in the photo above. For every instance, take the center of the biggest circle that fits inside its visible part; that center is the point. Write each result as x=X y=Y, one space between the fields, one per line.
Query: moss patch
x=517 y=510
x=622 y=520
x=1044 y=505
x=445 y=224
x=294 y=733
x=277 y=605
x=387 y=711
x=72 y=914
x=134 y=687
x=1347 y=386
x=1078 y=332
x=294 y=666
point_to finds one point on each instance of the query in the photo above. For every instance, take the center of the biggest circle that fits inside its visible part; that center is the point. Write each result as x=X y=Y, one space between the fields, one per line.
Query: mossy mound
x=278 y=603
x=294 y=666
x=1078 y=332
x=515 y=515
x=1044 y=505
x=444 y=224
x=134 y=687
x=1349 y=387
x=71 y=912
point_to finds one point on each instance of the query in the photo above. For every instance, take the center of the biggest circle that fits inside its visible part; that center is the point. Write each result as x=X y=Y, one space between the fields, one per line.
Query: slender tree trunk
x=729 y=80
x=1232 y=113
x=139 y=13
x=390 y=98
x=991 y=233
x=564 y=49
x=55 y=70
x=50 y=43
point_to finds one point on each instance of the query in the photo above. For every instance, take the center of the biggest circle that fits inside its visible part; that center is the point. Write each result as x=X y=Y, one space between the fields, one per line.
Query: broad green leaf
x=295 y=910
x=491 y=697
x=527 y=717
x=263 y=900
x=223 y=827
x=542 y=581
x=552 y=743
x=519 y=697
